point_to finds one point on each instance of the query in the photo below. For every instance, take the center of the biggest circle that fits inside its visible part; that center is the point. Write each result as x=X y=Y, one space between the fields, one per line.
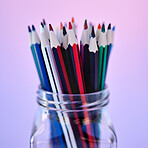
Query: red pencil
x=73 y=45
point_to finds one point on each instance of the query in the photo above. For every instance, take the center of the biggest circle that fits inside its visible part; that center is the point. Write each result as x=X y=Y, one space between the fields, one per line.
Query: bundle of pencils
x=63 y=68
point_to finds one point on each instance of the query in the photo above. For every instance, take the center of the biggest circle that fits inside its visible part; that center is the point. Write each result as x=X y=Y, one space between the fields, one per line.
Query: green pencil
x=102 y=58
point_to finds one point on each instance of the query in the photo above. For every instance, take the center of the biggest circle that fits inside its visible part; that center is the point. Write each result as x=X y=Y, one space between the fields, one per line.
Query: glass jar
x=73 y=121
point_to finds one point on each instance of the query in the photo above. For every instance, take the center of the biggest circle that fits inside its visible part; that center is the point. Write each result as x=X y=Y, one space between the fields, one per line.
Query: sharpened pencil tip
x=29 y=29
x=33 y=28
x=61 y=26
x=50 y=27
x=93 y=32
x=85 y=24
x=99 y=26
x=41 y=28
x=72 y=20
x=64 y=31
x=113 y=29
x=109 y=26
x=70 y=26
x=103 y=28
x=42 y=25
x=44 y=22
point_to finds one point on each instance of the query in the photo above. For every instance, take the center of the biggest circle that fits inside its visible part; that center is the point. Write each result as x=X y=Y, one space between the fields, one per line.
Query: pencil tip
x=41 y=28
x=44 y=22
x=85 y=24
x=42 y=25
x=61 y=26
x=29 y=29
x=70 y=26
x=103 y=28
x=33 y=28
x=64 y=31
x=109 y=26
x=99 y=26
x=50 y=27
x=93 y=32
x=72 y=20
x=113 y=29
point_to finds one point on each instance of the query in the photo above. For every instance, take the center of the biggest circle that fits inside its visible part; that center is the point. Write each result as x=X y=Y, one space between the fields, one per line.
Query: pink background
x=127 y=75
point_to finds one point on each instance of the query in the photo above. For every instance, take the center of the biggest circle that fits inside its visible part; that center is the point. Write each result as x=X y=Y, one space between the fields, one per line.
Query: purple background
x=127 y=75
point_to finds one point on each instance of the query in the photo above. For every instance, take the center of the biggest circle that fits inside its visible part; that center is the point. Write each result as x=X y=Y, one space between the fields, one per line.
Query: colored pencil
x=93 y=69
x=37 y=64
x=57 y=89
x=85 y=43
x=82 y=51
x=102 y=57
x=109 y=45
x=93 y=59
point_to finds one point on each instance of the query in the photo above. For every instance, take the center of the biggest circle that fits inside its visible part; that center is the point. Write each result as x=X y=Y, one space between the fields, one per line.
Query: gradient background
x=127 y=75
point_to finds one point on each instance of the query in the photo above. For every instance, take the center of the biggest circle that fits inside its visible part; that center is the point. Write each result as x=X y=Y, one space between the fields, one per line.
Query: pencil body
x=42 y=65
x=86 y=68
x=37 y=66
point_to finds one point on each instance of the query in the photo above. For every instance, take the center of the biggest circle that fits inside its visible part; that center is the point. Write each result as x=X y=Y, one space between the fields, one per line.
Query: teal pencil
x=35 y=58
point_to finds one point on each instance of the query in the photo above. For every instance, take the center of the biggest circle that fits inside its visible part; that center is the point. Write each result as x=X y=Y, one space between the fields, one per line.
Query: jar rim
x=89 y=101
x=74 y=95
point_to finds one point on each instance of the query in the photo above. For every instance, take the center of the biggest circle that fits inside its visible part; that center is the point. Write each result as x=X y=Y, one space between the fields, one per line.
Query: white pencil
x=57 y=89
